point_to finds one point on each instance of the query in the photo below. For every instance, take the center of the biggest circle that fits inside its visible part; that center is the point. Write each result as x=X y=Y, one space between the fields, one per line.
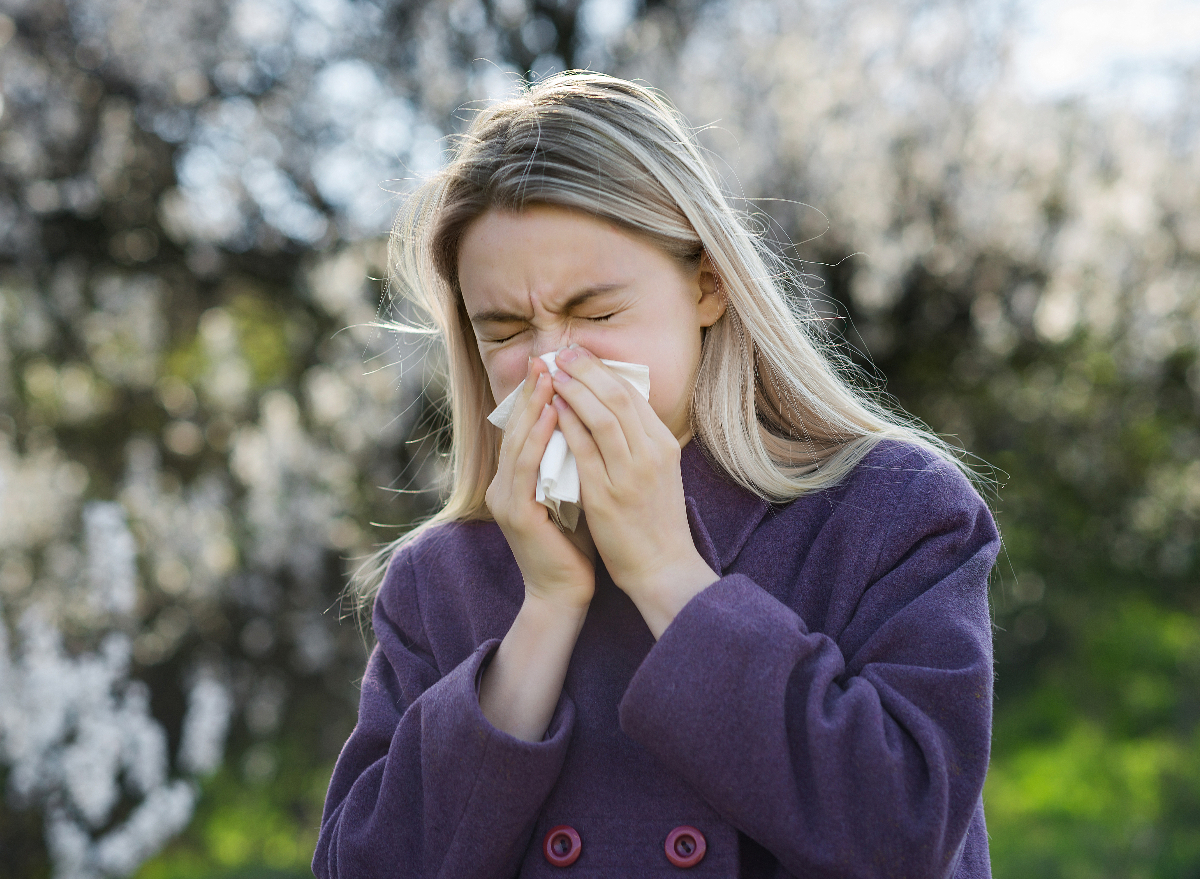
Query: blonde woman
x=764 y=649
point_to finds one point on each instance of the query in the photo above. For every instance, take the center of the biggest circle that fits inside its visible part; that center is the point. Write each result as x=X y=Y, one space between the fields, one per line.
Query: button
x=685 y=846
x=562 y=846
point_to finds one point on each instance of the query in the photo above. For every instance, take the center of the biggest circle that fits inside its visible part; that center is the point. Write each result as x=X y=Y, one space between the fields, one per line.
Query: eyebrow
x=577 y=299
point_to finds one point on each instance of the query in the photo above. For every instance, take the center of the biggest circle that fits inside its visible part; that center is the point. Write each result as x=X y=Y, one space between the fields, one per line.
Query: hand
x=631 y=488
x=555 y=568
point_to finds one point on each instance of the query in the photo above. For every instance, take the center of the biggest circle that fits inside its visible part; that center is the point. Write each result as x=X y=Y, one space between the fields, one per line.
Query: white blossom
x=77 y=735
x=205 y=725
x=164 y=812
x=70 y=846
x=112 y=557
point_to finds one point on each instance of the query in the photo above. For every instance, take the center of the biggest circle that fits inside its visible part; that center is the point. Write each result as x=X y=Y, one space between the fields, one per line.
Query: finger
x=613 y=394
x=605 y=425
x=525 y=394
x=588 y=457
x=527 y=412
x=654 y=426
x=529 y=458
x=515 y=484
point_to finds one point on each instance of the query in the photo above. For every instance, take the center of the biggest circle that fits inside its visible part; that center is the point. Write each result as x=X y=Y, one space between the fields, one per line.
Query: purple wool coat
x=822 y=710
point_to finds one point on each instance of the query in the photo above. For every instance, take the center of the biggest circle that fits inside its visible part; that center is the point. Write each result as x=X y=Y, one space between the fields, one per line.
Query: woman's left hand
x=631 y=488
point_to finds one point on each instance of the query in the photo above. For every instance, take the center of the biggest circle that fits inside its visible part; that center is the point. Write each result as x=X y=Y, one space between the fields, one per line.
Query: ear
x=712 y=298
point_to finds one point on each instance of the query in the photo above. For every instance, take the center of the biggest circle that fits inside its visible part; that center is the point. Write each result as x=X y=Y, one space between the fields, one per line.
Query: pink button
x=562 y=846
x=685 y=846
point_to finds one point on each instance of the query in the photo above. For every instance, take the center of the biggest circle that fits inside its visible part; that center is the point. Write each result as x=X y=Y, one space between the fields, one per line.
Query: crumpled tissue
x=558 y=475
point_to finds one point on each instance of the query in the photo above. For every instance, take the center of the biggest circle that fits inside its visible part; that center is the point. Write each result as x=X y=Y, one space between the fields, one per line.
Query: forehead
x=546 y=251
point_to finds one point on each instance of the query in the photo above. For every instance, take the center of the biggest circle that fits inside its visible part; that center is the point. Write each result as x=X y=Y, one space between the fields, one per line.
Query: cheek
x=506 y=368
x=671 y=377
x=666 y=394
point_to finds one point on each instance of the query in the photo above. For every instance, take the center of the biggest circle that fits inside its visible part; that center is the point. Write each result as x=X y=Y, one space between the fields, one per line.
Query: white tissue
x=558 y=476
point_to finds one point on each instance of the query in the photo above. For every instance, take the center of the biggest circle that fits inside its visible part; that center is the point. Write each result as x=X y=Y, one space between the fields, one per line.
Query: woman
x=766 y=648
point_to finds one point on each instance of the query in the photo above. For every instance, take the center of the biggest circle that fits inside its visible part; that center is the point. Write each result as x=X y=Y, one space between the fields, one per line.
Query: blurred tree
x=191 y=202
x=1026 y=278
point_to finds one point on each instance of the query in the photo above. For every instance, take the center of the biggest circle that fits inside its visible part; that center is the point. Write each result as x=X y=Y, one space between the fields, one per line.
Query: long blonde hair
x=774 y=412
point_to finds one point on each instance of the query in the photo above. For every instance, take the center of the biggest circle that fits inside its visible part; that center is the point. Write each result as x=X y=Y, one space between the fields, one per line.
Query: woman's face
x=549 y=277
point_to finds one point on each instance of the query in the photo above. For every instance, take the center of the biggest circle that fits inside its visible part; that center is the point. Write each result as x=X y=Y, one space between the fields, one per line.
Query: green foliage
x=258 y=827
x=1096 y=767
x=262 y=333
x=1090 y=803
x=1096 y=751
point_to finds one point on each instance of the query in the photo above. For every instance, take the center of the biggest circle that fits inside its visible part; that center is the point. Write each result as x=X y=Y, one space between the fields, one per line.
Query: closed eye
x=501 y=339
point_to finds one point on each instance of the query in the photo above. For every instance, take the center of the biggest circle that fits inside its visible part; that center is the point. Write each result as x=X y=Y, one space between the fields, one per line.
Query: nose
x=552 y=339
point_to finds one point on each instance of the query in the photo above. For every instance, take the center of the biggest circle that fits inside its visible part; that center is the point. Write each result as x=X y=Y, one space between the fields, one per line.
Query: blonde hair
x=769 y=408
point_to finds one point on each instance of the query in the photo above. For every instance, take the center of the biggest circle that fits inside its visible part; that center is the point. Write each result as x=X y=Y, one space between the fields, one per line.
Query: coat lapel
x=722 y=514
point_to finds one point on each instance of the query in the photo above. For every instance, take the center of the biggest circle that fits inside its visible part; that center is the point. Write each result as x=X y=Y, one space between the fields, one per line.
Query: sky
x=1115 y=49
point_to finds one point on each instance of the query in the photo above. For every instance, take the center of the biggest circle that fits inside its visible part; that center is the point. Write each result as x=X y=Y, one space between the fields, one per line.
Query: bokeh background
x=201 y=429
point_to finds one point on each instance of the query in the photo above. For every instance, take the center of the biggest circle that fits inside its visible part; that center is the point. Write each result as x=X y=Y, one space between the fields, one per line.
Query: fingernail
x=567 y=355
x=560 y=403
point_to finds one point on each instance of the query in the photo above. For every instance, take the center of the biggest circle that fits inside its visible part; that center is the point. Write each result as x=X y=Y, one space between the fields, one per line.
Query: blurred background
x=200 y=430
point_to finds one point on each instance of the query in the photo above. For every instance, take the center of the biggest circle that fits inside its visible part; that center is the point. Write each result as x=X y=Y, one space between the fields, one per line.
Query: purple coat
x=824 y=709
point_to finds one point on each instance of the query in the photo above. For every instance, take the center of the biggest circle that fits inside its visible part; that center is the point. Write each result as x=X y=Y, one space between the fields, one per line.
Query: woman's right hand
x=556 y=568
x=521 y=686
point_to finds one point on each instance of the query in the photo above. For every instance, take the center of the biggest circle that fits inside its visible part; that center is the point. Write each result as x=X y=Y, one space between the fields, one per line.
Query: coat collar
x=722 y=514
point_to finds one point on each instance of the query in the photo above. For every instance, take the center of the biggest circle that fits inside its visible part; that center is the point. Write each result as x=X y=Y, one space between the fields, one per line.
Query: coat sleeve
x=867 y=764
x=415 y=788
